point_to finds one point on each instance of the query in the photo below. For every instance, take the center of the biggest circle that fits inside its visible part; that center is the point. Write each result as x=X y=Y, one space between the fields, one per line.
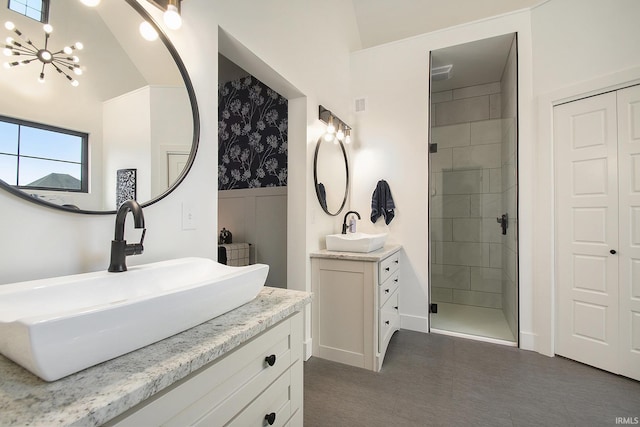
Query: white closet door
x=629 y=252
x=585 y=139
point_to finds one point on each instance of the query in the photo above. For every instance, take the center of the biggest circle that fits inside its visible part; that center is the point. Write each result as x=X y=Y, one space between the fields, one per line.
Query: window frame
x=44 y=13
x=84 y=155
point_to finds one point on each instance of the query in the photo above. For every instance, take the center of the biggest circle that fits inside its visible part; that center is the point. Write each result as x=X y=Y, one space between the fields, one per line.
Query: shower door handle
x=504 y=222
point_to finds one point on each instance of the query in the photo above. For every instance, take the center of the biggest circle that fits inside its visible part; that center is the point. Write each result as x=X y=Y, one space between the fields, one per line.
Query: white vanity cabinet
x=355 y=306
x=258 y=384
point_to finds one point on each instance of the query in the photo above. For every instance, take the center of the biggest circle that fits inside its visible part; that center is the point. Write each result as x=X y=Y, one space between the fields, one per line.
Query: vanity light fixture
x=61 y=60
x=344 y=130
x=171 y=17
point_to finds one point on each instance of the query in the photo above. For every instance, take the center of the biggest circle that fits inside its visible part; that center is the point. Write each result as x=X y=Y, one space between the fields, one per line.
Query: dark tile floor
x=437 y=380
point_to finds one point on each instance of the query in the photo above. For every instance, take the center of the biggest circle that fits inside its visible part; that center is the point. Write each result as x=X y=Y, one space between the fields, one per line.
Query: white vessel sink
x=355 y=242
x=55 y=327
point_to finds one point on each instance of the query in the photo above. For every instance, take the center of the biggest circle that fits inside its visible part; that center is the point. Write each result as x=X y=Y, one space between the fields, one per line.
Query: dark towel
x=322 y=195
x=382 y=203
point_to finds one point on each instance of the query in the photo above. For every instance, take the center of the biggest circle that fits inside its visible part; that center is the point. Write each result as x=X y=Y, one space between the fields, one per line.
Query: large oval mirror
x=134 y=106
x=331 y=175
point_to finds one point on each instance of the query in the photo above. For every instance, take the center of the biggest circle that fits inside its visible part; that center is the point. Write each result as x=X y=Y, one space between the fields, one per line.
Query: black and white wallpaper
x=252 y=135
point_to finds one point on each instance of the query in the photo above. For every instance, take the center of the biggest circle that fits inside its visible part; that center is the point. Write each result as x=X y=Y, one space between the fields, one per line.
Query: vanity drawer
x=388 y=266
x=274 y=402
x=386 y=289
x=389 y=321
x=224 y=389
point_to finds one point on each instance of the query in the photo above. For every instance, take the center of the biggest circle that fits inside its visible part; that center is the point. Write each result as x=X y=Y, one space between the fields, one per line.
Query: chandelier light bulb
x=74 y=83
x=77 y=71
x=7 y=52
x=172 y=17
x=47 y=28
x=148 y=32
x=90 y=3
x=79 y=46
x=67 y=50
x=9 y=25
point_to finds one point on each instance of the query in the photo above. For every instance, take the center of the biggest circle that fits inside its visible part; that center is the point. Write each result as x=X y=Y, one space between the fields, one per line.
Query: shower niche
x=473 y=215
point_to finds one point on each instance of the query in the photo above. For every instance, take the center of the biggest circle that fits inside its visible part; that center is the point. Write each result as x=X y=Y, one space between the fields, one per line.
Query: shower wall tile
x=450 y=206
x=495 y=180
x=451 y=276
x=445 y=95
x=441 y=160
x=486 y=132
x=491 y=231
x=441 y=294
x=477 y=156
x=441 y=229
x=490 y=205
x=495 y=255
x=461 y=182
x=462 y=110
x=480 y=299
x=467 y=230
x=451 y=136
x=462 y=253
x=486 y=279
x=495 y=106
x=477 y=90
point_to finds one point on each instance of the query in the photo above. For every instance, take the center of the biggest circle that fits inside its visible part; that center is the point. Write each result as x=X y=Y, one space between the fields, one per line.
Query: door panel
x=585 y=137
x=629 y=253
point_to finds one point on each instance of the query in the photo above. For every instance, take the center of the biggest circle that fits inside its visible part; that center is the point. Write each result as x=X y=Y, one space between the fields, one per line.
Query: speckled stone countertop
x=374 y=256
x=95 y=395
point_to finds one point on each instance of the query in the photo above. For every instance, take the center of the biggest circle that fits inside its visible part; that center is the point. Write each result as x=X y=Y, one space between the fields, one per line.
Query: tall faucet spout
x=344 y=222
x=119 y=247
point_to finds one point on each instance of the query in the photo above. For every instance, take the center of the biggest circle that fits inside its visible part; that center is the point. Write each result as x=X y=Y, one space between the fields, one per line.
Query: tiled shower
x=473 y=181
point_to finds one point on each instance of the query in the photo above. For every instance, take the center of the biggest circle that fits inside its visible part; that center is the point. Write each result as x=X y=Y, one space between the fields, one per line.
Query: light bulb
x=340 y=134
x=330 y=126
x=75 y=83
x=347 y=138
x=79 y=45
x=90 y=3
x=9 y=25
x=172 y=17
x=77 y=71
x=328 y=137
x=9 y=40
x=148 y=32
x=47 y=28
x=7 y=51
x=67 y=50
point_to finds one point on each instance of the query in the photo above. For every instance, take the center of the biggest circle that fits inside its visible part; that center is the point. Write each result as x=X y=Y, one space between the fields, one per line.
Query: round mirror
x=130 y=127
x=331 y=175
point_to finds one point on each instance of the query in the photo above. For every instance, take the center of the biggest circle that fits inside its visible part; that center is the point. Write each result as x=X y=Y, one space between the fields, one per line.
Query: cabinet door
x=585 y=139
x=629 y=250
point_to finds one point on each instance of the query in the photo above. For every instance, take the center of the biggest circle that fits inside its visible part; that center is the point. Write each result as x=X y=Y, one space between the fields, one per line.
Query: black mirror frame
x=196 y=129
x=315 y=179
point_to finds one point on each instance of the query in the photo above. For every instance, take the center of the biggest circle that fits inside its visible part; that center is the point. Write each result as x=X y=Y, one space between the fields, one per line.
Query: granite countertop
x=95 y=395
x=374 y=256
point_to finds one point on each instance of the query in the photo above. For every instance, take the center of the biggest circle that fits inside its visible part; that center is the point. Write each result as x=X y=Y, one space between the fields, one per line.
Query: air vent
x=360 y=105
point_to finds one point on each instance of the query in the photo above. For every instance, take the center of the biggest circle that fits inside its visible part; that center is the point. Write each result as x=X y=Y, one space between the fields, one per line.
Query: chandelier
x=61 y=60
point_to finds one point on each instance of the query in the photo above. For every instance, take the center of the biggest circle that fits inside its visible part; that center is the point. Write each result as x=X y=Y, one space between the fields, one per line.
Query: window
x=35 y=9
x=40 y=157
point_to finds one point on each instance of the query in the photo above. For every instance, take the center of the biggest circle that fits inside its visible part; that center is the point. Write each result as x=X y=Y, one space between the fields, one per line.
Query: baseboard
x=414 y=323
x=308 y=349
x=474 y=337
x=527 y=341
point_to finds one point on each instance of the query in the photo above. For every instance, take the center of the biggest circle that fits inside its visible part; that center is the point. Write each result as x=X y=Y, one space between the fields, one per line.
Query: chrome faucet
x=344 y=222
x=119 y=247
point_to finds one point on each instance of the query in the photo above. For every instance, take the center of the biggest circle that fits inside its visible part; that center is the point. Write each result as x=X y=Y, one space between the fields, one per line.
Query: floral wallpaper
x=252 y=135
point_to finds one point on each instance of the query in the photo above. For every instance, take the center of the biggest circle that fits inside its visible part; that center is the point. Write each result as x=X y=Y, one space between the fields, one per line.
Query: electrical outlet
x=188 y=217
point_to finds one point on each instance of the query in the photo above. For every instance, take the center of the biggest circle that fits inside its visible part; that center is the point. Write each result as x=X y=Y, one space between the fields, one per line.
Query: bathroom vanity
x=355 y=306
x=242 y=368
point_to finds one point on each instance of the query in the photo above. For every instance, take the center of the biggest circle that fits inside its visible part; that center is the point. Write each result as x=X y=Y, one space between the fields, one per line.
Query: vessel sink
x=55 y=327
x=355 y=242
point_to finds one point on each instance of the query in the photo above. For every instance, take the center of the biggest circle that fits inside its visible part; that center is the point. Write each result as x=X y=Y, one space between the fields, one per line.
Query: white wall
x=392 y=143
x=39 y=242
